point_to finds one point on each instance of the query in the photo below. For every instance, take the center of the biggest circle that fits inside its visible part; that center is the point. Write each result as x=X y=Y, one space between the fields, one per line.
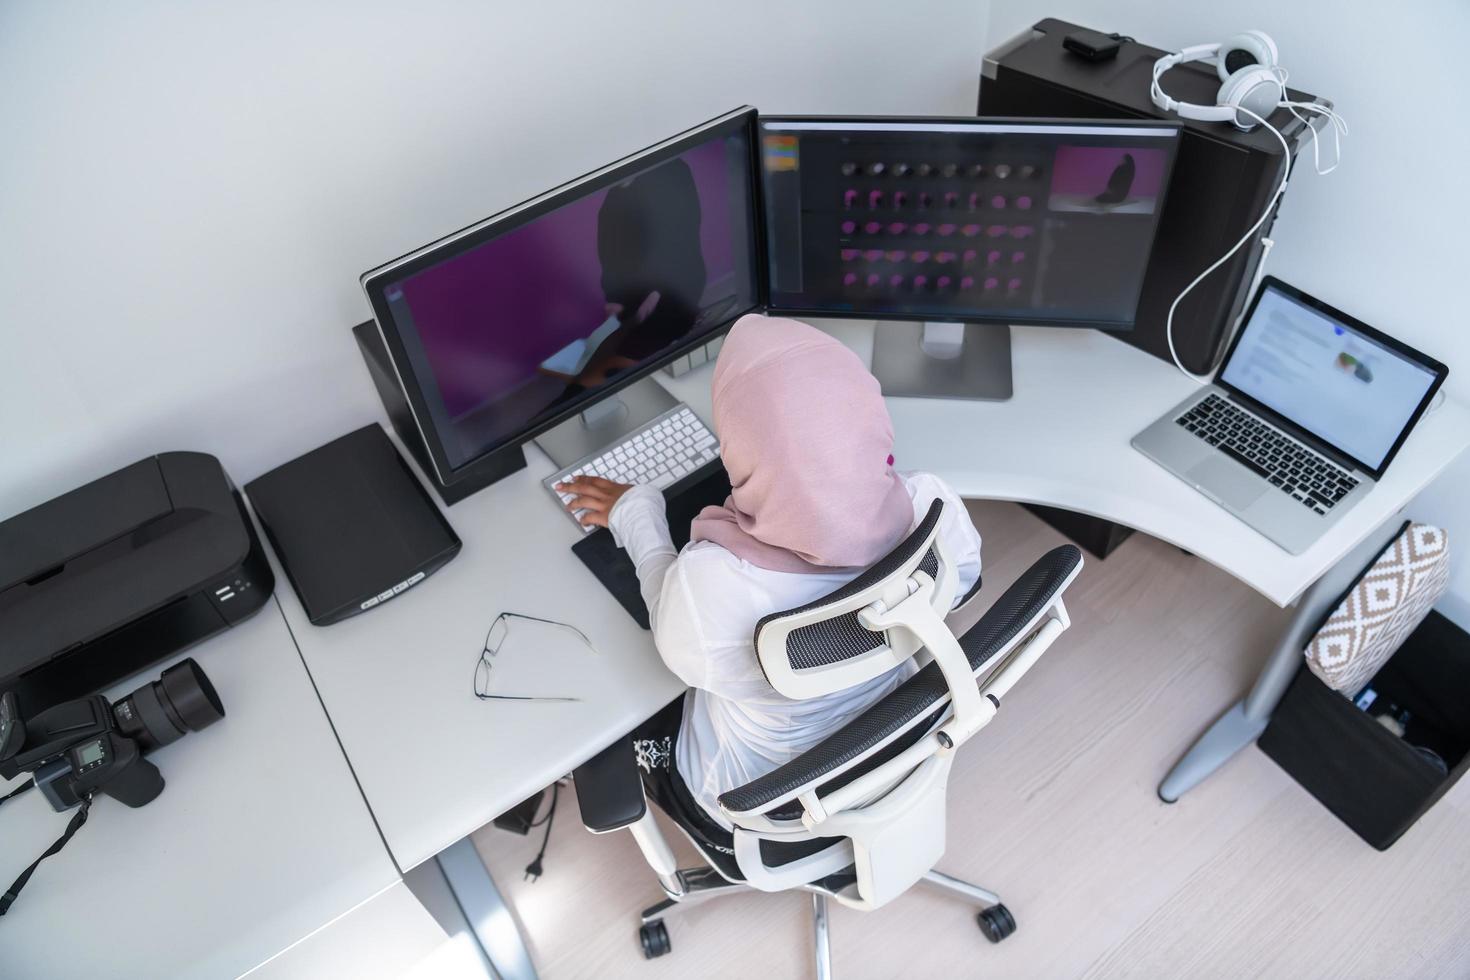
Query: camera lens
x=181 y=700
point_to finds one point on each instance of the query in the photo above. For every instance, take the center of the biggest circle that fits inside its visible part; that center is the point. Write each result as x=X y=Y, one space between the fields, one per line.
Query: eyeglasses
x=495 y=639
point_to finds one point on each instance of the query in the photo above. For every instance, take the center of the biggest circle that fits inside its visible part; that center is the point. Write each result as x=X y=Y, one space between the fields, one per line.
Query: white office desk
x=435 y=763
x=1063 y=441
x=259 y=838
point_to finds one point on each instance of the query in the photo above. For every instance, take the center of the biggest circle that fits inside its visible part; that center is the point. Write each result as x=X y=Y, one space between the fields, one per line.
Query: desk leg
x=486 y=911
x=1244 y=722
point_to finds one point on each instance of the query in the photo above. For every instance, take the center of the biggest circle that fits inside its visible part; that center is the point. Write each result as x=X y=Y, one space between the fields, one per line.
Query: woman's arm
x=640 y=526
x=635 y=515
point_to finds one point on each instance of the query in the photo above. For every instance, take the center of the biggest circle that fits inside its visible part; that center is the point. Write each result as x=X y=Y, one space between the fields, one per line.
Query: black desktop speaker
x=351 y=524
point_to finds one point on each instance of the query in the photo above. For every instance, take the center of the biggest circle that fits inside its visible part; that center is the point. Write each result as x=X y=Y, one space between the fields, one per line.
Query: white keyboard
x=670 y=448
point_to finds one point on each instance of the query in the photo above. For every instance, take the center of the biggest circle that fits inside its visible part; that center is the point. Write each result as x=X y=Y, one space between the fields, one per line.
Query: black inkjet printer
x=121 y=573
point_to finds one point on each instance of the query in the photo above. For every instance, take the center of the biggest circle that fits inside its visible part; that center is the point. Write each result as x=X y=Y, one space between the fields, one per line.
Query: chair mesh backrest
x=911 y=707
x=842 y=637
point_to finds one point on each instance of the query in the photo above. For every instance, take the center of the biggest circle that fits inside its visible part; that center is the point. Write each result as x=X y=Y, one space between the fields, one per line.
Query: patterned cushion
x=1385 y=605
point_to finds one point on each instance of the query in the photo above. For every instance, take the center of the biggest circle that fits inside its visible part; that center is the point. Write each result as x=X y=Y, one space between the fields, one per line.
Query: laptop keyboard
x=1290 y=467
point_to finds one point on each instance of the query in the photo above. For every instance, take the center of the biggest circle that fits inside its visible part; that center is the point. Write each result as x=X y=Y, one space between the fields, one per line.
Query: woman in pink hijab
x=808 y=445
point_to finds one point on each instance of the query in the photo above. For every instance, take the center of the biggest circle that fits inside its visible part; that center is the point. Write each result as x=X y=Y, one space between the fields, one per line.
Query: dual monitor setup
x=523 y=326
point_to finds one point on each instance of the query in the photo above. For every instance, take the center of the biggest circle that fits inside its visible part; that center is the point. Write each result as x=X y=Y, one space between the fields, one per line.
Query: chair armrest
x=609 y=789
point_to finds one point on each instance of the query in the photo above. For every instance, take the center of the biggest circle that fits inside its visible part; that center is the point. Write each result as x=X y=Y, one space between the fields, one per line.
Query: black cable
x=550 y=808
x=534 y=869
x=28 y=784
x=11 y=893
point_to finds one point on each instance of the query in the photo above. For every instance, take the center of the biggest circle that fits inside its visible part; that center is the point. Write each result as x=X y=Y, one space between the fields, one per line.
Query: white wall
x=188 y=192
x=1384 y=236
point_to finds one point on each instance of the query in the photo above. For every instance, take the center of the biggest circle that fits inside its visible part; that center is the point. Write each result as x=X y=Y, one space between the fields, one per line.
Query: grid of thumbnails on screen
x=960 y=220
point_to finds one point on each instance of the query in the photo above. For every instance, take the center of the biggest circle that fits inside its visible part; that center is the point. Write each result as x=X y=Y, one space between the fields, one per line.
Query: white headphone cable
x=1339 y=130
x=1205 y=379
x=1339 y=124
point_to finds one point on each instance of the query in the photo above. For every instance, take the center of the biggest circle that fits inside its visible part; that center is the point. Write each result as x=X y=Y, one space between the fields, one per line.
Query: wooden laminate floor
x=1054 y=807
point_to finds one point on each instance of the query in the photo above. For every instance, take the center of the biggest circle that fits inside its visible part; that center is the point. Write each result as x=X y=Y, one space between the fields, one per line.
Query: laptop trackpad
x=1223 y=478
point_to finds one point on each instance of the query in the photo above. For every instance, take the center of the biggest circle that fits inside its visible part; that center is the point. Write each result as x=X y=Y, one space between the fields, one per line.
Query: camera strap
x=78 y=818
x=28 y=784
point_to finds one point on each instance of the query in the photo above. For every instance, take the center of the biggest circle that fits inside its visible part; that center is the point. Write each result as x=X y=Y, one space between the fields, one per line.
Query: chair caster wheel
x=654 y=938
x=996 y=922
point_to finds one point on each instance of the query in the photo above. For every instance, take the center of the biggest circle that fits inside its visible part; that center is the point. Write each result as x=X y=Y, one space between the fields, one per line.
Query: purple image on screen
x=489 y=318
x=1104 y=179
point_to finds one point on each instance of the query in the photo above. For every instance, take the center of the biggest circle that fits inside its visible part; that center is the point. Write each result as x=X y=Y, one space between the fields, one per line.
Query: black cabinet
x=1223 y=179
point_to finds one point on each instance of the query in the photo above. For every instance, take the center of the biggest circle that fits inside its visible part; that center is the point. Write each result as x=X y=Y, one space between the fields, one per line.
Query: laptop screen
x=1352 y=391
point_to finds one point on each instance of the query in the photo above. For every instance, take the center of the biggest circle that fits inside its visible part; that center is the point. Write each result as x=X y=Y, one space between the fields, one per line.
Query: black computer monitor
x=502 y=330
x=975 y=221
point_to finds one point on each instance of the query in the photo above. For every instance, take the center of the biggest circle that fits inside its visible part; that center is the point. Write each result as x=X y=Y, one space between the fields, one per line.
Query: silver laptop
x=1305 y=414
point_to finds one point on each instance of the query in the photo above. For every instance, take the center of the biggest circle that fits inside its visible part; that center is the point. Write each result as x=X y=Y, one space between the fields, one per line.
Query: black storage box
x=1374 y=781
x=1096 y=535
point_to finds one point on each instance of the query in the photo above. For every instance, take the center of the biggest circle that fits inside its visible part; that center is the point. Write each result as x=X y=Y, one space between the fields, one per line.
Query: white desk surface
x=398 y=681
x=435 y=763
x=260 y=837
x=1063 y=440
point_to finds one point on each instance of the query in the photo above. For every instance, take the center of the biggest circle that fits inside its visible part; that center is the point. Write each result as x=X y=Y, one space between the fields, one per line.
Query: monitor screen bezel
x=1001 y=123
x=375 y=281
x=1440 y=370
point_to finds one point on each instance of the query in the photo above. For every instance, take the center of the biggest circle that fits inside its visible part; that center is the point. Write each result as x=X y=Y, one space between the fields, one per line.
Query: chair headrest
x=821 y=647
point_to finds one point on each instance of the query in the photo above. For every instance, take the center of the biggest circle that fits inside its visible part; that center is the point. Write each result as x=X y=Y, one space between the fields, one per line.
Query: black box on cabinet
x=1374 y=781
x=1095 y=534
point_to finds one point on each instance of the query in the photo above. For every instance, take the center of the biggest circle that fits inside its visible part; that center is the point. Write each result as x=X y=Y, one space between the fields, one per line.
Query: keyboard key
x=1243 y=460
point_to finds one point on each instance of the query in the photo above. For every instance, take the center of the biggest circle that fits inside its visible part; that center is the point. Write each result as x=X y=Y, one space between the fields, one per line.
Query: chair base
x=691 y=886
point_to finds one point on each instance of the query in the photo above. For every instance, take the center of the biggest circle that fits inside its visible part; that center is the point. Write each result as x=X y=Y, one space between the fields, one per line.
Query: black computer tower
x=1222 y=179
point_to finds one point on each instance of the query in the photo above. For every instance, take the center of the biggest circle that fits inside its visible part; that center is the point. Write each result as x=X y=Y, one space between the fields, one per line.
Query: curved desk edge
x=1063 y=441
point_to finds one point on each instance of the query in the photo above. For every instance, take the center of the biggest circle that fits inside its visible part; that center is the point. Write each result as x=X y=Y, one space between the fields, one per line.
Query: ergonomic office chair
x=860 y=816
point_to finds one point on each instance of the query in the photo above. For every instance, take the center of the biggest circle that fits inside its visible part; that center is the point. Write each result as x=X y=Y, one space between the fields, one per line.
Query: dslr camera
x=89 y=745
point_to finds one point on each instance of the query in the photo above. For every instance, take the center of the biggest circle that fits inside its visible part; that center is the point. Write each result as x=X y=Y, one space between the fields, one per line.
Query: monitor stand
x=969 y=361
x=606 y=422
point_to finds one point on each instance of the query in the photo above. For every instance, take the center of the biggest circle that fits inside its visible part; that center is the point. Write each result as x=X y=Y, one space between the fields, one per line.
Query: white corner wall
x=189 y=192
x=1384 y=236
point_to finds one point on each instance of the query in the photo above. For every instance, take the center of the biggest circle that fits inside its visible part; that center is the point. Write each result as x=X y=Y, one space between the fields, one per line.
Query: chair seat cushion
x=670 y=794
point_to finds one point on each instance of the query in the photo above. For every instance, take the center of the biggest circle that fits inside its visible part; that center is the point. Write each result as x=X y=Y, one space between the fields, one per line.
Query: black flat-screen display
x=1010 y=221
x=509 y=326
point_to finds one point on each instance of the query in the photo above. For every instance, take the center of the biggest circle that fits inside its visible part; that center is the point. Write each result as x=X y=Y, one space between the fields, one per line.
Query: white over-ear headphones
x=1253 y=84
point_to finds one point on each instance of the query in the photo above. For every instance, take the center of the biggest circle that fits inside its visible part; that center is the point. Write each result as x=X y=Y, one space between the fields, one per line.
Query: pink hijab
x=808 y=445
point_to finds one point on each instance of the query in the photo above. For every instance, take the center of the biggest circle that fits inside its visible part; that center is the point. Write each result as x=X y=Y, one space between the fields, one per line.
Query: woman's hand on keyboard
x=594 y=496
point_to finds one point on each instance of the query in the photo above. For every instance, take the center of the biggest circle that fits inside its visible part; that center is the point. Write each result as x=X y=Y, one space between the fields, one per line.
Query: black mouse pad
x=709 y=485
